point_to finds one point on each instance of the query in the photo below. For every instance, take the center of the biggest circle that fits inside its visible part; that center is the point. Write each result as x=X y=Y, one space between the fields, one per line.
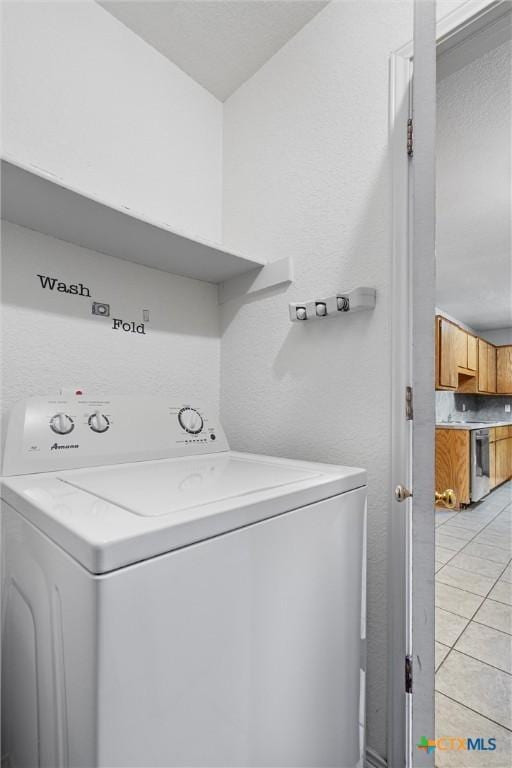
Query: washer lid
x=152 y=489
x=122 y=514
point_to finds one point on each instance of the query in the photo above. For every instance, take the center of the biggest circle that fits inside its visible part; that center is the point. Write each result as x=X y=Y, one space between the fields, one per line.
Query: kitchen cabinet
x=492 y=464
x=446 y=342
x=483 y=365
x=503 y=460
x=491 y=368
x=453 y=460
x=461 y=347
x=504 y=370
x=486 y=367
x=469 y=364
x=453 y=466
x=472 y=352
x=456 y=357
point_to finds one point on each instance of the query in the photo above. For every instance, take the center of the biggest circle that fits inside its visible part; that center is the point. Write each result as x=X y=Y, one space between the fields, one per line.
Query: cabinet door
x=491 y=368
x=483 y=364
x=502 y=460
x=472 y=352
x=447 y=354
x=504 y=370
x=461 y=347
x=492 y=464
x=453 y=463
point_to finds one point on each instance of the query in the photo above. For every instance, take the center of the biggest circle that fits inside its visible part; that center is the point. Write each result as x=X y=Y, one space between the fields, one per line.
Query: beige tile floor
x=474 y=629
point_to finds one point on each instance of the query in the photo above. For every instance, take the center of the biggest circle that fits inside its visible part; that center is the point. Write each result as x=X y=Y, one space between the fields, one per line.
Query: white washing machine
x=169 y=602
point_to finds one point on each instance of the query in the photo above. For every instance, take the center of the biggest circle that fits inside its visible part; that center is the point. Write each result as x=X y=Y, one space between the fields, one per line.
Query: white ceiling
x=221 y=43
x=474 y=256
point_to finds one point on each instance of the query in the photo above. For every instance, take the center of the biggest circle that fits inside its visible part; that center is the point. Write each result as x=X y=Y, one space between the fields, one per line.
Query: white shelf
x=36 y=200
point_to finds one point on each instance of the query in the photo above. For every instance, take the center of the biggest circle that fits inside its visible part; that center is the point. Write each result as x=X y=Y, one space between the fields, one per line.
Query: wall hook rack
x=357 y=300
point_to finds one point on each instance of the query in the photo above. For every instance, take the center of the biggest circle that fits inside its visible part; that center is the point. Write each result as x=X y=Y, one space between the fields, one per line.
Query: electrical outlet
x=507 y=408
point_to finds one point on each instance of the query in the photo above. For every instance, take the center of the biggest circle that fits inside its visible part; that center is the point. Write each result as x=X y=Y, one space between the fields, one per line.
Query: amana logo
x=57 y=447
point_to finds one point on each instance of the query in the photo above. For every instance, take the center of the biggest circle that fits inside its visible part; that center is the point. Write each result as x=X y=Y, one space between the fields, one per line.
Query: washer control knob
x=62 y=424
x=98 y=422
x=190 y=420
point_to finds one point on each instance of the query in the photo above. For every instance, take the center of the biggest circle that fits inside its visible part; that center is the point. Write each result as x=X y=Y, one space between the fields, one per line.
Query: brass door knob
x=448 y=498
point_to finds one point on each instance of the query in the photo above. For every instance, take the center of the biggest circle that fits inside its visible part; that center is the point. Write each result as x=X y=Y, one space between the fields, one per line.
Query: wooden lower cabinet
x=492 y=465
x=503 y=460
x=453 y=465
x=453 y=460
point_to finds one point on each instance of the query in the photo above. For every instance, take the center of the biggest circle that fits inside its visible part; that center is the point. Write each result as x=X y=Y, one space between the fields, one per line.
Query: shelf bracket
x=275 y=273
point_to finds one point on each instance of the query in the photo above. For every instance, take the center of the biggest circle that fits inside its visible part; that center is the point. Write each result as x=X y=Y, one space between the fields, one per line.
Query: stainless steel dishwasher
x=480 y=465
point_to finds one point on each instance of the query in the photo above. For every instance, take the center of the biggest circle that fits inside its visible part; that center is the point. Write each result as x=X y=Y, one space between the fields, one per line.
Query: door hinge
x=408 y=674
x=410 y=139
x=409 y=410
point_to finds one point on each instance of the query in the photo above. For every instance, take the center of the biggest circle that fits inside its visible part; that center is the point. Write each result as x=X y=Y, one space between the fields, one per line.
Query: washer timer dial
x=98 y=422
x=190 y=420
x=62 y=424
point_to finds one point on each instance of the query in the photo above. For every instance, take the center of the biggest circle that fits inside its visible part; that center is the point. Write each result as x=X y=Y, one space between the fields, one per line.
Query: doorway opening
x=473 y=398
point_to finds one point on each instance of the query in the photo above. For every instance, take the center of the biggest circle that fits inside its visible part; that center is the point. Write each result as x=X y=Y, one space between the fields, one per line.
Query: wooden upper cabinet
x=504 y=370
x=472 y=352
x=466 y=363
x=461 y=347
x=491 y=368
x=483 y=366
x=447 y=353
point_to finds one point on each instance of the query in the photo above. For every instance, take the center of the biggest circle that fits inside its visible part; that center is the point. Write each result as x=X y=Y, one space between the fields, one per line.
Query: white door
x=412 y=526
x=412 y=554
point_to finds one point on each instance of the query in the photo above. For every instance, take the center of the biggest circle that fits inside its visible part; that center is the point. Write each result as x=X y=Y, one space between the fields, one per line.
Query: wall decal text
x=129 y=327
x=53 y=283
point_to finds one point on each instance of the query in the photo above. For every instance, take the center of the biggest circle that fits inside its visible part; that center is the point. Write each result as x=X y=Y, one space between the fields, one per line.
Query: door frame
x=411 y=590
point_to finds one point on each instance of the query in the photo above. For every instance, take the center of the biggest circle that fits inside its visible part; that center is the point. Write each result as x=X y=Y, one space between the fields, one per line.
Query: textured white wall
x=474 y=198
x=51 y=339
x=86 y=99
x=307 y=173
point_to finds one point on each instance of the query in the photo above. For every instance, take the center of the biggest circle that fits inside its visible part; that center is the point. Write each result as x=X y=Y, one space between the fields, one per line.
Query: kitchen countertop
x=472 y=424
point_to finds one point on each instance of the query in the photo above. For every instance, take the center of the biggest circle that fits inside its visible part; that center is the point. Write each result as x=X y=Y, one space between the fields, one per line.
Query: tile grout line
x=476 y=572
x=485 y=597
x=495 y=722
x=472 y=619
x=470 y=541
x=469 y=622
x=485 y=663
x=482 y=598
x=482 y=624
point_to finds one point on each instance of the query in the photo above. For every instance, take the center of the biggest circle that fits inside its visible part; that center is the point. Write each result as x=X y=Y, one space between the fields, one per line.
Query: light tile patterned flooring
x=474 y=628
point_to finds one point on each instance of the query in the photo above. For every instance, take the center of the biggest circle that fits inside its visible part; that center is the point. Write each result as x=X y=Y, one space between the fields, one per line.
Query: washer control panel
x=67 y=432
